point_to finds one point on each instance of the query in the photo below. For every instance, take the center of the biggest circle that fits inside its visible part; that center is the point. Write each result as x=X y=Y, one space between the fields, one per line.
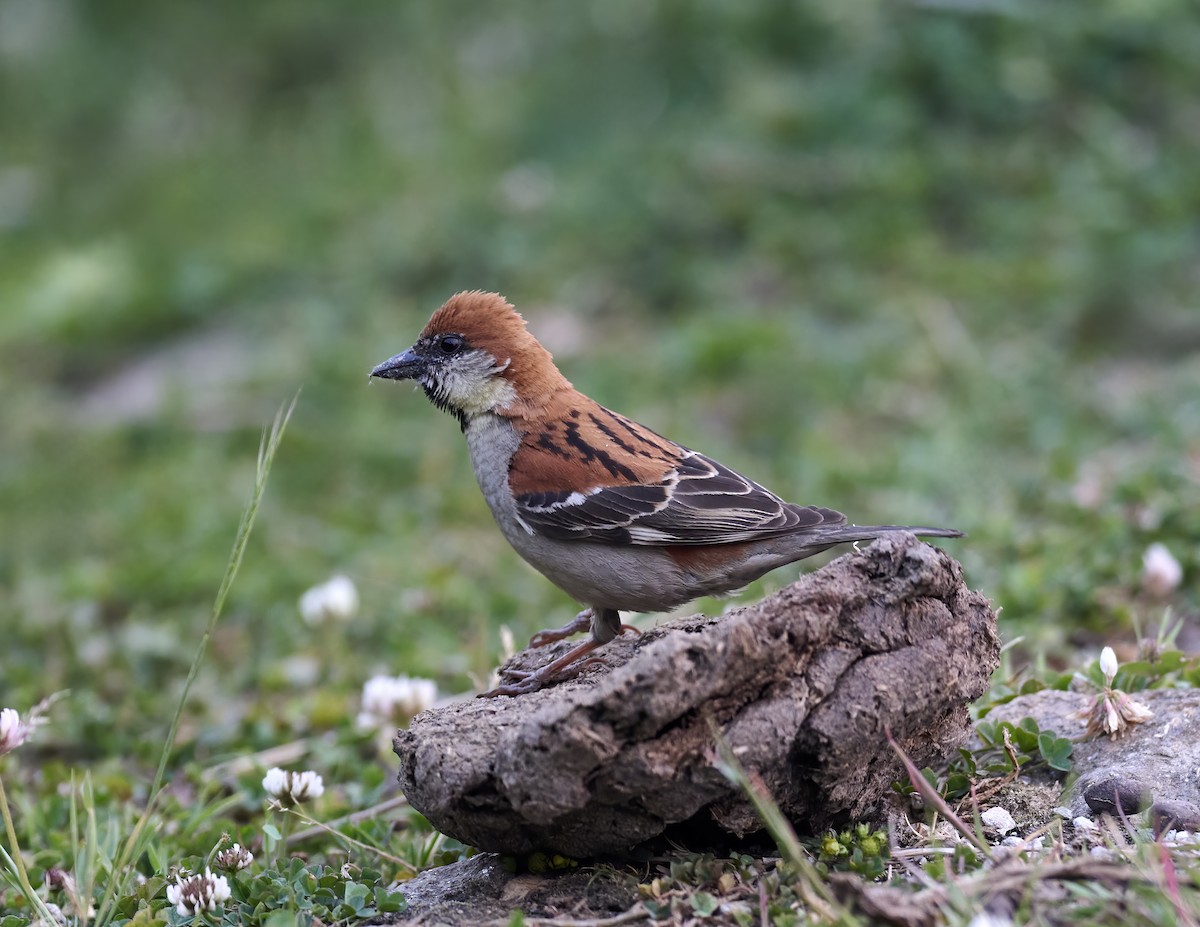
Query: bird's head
x=475 y=356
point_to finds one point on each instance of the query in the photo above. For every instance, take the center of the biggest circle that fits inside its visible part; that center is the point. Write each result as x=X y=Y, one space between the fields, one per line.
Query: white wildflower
x=336 y=600
x=986 y=918
x=1161 y=572
x=1112 y=717
x=13 y=732
x=275 y=781
x=389 y=700
x=201 y=892
x=57 y=916
x=234 y=858
x=1108 y=664
x=1110 y=711
x=293 y=788
x=1130 y=711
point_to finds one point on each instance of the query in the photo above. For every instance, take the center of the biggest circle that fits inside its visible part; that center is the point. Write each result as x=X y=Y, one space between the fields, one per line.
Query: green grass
x=919 y=262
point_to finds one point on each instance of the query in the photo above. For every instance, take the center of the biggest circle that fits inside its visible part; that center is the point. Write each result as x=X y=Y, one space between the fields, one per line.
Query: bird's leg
x=581 y=622
x=605 y=624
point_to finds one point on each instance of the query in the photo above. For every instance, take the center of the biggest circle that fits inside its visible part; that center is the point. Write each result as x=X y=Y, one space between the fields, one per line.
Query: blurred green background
x=919 y=261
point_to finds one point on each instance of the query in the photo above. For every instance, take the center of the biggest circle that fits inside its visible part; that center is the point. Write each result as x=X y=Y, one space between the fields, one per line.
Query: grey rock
x=1163 y=753
x=802 y=686
x=481 y=889
x=1175 y=814
x=1117 y=794
x=999 y=820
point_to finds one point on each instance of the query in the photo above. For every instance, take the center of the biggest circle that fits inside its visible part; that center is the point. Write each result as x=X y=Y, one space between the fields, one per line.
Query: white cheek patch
x=472 y=383
x=493 y=392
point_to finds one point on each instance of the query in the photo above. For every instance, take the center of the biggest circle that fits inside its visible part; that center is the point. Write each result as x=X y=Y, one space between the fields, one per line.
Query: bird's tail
x=842 y=534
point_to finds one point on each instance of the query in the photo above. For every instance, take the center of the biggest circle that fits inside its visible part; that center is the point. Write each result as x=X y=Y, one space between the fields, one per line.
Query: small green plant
x=313 y=894
x=1009 y=747
x=1005 y=749
x=857 y=849
x=696 y=885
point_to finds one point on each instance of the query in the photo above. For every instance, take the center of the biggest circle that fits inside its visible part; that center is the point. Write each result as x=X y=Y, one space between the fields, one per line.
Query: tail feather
x=842 y=534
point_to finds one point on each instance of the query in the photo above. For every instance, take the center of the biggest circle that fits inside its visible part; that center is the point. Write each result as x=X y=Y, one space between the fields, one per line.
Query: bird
x=613 y=513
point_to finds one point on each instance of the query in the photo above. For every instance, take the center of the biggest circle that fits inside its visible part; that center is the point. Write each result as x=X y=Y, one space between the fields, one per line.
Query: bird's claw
x=567 y=666
x=522 y=686
x=525 y=681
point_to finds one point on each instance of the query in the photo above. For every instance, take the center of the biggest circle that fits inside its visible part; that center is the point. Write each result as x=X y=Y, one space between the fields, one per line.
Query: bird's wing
x=697 y=501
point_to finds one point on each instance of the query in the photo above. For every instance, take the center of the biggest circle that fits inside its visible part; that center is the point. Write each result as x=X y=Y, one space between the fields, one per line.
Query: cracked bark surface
x=802 y=685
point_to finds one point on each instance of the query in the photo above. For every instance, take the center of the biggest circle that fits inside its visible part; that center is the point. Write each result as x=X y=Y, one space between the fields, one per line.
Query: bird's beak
x=406 y=366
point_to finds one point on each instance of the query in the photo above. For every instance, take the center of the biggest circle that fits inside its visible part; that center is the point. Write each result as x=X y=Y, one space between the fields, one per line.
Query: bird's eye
x=450 y=344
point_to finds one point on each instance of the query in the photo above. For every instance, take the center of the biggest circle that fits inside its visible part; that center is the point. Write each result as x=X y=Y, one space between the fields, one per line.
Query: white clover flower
x=1128 y=712
x=57 y=916
x=986 y=918
x=13 y=733
x=335 y=600
x=1112 y=717
x=293 y=788
x=388 y=700
x=234 y=858
x=275 y=781
x=196 y=893
x=1161 y=572
x=306 y=785
x=1110 y=711
x=1108 y=664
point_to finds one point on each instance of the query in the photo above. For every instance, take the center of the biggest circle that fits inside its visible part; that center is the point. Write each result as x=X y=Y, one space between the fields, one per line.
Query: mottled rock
x=802 y=686
x=1175 y=814
x=1161 y=754
x=998 y=819
x=482 y=889
x=1117 y=794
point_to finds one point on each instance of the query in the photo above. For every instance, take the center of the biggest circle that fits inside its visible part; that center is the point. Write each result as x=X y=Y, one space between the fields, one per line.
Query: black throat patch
x=438 y=398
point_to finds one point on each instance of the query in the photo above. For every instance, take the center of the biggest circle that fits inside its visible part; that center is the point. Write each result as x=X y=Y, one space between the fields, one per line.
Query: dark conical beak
x=406 y=366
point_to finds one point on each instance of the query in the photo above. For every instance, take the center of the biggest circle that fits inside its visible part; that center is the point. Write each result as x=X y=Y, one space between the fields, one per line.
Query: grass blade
x=134 y=844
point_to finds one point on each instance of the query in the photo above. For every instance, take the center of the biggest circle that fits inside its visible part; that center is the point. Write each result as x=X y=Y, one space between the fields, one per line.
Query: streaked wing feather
x=698 y=502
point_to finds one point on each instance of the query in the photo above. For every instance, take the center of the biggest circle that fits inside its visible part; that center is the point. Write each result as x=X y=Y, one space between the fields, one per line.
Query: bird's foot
x=521 y=682
x=568 y=666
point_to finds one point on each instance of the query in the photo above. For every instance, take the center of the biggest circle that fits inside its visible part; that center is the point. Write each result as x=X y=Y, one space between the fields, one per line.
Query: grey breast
x=603 y=575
